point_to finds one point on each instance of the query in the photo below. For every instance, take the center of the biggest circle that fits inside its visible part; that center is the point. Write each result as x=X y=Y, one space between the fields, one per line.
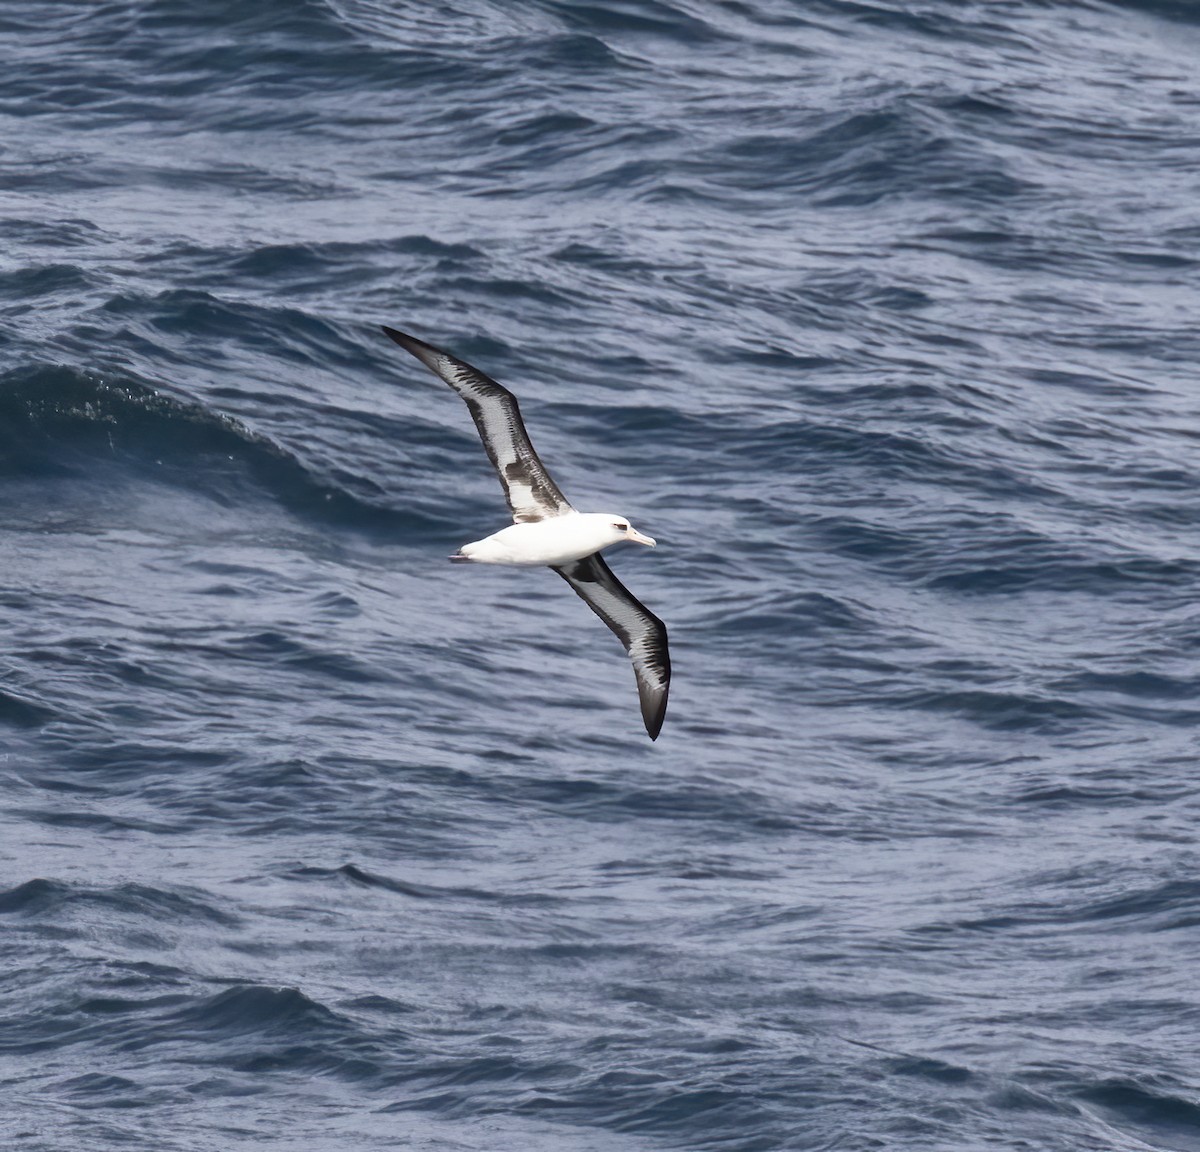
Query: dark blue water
x=882 y=316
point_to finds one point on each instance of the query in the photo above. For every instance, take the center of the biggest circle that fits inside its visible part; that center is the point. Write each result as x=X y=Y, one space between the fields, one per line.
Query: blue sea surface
x=882 y=316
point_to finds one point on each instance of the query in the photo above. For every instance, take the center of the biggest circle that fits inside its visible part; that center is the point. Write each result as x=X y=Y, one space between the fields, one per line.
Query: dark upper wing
x=643 y=634
x=531 y=494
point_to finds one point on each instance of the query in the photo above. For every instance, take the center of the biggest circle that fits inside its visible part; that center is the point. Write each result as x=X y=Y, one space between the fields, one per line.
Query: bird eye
x=621 y=527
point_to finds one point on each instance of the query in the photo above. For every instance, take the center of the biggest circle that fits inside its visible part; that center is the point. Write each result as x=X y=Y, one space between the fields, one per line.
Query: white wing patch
x=531 y=493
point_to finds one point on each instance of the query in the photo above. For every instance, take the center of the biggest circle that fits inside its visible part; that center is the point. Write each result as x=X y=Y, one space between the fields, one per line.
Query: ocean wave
x=63 y=422
x=877 y=314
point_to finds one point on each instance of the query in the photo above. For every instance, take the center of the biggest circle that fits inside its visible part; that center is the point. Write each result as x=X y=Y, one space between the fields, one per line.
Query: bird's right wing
x=530 y=492
x=643 y=634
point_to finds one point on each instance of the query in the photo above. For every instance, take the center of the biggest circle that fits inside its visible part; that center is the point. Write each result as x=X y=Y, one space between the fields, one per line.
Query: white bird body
x=559 y=540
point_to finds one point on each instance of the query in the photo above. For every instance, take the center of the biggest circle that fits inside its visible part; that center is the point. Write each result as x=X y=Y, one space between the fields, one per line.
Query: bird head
x=623 y=530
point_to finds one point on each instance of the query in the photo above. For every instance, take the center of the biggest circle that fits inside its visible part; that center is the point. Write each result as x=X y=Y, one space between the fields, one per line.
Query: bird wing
x=530 y=492
x=643 y=634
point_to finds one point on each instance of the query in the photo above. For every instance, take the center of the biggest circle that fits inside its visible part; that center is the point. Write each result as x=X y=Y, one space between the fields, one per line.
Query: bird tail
x=459 y=558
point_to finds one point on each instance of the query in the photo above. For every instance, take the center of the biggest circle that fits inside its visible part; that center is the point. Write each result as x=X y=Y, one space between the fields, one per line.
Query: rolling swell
x=878 y=315
x=58 y=422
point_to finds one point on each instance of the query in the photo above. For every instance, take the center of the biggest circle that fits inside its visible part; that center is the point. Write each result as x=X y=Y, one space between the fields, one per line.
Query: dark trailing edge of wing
x=642 y=633
x=528 y=488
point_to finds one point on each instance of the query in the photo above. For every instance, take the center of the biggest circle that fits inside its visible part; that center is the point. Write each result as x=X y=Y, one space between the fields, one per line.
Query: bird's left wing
x=643 y=634
x=530 y=492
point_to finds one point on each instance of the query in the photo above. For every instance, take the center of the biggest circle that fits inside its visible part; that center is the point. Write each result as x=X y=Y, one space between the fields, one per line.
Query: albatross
x=548 y=531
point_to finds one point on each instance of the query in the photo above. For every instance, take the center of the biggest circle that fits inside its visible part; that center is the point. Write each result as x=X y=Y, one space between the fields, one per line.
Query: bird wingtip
x=653 y=720
x=426 y=353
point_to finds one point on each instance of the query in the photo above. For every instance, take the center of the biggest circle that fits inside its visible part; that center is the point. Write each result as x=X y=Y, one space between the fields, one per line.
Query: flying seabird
x=546 y=530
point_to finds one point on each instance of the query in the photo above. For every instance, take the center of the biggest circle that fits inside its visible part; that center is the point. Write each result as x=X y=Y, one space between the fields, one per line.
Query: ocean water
x=881 y=315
